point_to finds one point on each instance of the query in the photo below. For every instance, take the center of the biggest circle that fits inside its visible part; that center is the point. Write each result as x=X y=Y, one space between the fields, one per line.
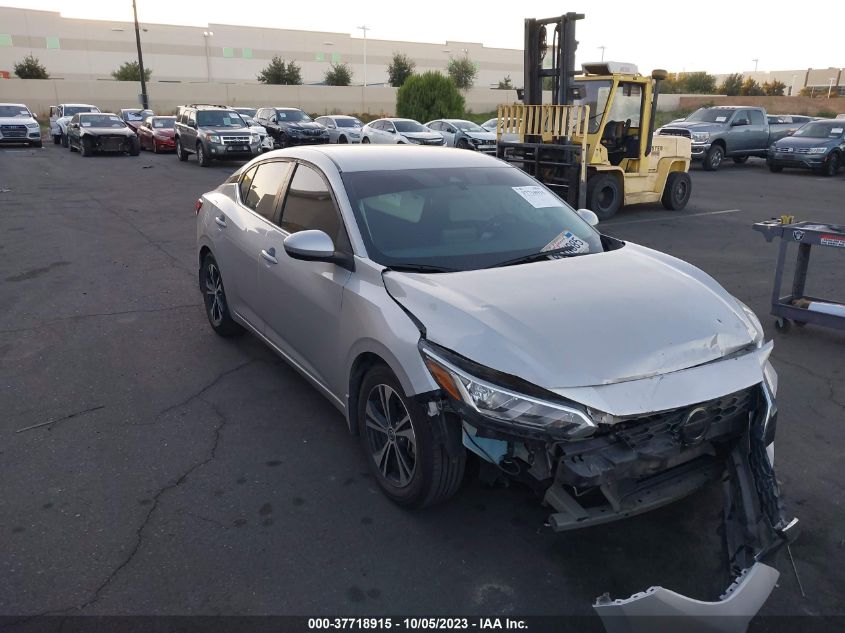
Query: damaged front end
x=591 y=467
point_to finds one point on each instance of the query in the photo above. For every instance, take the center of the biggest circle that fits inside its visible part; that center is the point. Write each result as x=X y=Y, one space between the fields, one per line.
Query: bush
x=429 y=96
x=401 y=67
x=776 y=88
x=732 y=85
x=131 y=71
x=506 y=83
x=278 y=72
x=31 y=68
x=751 y=88
x=463 y=72
x=338 y=75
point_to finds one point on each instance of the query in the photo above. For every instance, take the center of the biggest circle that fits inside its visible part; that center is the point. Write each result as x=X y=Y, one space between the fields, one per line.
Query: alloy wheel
x=214 y=297
x=390 y=436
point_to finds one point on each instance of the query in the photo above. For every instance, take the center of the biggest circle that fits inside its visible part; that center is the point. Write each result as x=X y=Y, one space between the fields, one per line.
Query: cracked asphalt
x=151 y=467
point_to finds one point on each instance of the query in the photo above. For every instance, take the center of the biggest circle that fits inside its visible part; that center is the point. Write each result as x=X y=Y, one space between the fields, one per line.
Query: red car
x=156 y=133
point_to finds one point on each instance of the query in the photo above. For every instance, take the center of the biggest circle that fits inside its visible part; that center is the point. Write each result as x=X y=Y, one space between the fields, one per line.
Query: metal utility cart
x=796 y=306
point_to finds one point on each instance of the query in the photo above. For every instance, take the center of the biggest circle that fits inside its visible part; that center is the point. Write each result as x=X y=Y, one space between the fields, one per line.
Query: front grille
x=641 y=430
x=13 y=131
x=675 y=131
x=313 y=132
x=111 y=143
x=235 y=140
x=433 y=141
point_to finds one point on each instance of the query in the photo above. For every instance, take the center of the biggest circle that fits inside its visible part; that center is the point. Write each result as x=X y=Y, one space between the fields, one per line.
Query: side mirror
x=588 y=216
x=739 y=122
x=315 y=246
x=391 y=130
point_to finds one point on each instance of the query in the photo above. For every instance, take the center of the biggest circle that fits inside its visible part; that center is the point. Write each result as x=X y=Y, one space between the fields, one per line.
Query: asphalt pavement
x=150 y=467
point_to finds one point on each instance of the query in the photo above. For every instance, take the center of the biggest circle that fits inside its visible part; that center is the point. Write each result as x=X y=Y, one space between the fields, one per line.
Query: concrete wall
x=773 y=105
x=39 y=95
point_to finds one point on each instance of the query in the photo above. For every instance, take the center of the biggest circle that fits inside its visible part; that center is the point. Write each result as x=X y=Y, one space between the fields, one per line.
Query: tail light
x=198 y=205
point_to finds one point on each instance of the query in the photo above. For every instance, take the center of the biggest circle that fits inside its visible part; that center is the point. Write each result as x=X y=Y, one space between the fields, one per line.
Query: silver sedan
x=342 y=129
x=449 y=306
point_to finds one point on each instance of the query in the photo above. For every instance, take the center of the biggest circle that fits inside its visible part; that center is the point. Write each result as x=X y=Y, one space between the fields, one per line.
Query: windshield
x=593 y=94
x=818 y=129
x=292 y=115
x=468 y=126
x=219 y=118
x=14 y=111
x=410 y=126
x=71 y=110
x=164 y=122
x=490 y=123
x=136 y=115
x=101 y=120
x=711 y=115
x=461 y=219
x=348 y=123
x=250 y=112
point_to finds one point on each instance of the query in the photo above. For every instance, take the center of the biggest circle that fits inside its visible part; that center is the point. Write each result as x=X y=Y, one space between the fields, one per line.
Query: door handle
x=221 y=221
x=270 y=255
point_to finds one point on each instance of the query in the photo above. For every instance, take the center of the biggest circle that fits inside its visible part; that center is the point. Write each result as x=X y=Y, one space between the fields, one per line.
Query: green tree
x=400 y=68
x=131 y=71
x=506 y=83
x=429 y=96
x=279 y=72
x=732 y=85
x=31 y=68
x=463 y=72
x=338 y=75
x=750 y=88
x=699 y=83
x=775 y=88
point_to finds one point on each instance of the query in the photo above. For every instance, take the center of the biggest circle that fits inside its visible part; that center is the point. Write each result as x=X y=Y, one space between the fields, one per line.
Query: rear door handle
x=221 y=221
x=270 y=256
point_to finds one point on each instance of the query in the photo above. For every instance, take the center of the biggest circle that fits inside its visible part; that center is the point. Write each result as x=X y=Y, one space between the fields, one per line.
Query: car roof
x=76 y=105
x=14 y=105
x=287 y=108
x=97 y=114
x=340 y=116
x=354 y=158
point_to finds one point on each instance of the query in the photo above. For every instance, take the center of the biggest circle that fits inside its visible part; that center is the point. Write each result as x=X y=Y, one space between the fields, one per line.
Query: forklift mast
x=561 y=29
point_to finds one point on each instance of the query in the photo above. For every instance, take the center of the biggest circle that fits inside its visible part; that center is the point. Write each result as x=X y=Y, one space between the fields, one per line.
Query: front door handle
x=270 y=255
x=221 y=221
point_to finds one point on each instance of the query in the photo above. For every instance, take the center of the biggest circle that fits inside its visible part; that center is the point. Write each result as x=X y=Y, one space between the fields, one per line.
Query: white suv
x=60 y=116
x=18 y=125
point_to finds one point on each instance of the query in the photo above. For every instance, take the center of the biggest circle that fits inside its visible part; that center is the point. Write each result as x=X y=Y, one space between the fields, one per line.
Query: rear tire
x=412 y=468
x=85 y=148
x=135 y=149
x=180 y=151
x=57 y=138
x=677 y=191
x=713 y=158
x=64 y=140
x=214 y=298
x=365 y=141
x=604 y=195
x=342 y=140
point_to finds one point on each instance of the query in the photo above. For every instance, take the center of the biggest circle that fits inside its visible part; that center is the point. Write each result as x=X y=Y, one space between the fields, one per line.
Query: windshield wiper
x=420 y=268
x=524 y=259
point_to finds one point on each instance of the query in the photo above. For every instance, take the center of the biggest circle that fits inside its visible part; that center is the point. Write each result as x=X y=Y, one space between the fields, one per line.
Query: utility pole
x=145 y=102
x=602 y=51
x=365 y=29
x=756 y=61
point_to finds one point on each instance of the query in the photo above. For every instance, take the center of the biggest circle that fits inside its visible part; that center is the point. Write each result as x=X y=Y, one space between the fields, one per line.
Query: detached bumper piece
x=755 y=529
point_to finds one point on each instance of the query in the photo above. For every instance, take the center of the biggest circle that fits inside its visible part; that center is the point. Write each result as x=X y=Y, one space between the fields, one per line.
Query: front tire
x=462 y=144
x=831 y=165
x=202 y=158
x=604 y=195
x=37 y=144
x=713 y=158
x=180 y=151
x=365 y=141
x=64 y=140
x=57 y=139
x=412 y=468
x=214 y=297
x=135 y=149
x=677 y=191
x=85 y=148
x=342 y=140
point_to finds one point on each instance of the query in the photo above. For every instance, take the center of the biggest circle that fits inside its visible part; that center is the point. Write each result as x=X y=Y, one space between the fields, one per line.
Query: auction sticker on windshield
x=537 y=197
x=568 y=243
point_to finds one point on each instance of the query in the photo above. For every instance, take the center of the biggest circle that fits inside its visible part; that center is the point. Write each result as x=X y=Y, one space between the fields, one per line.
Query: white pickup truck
x=61 y=114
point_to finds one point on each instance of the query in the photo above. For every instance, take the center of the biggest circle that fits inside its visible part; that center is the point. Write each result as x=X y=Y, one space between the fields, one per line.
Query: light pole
x=206 y=35
x=756 y=61
x=602 y=51
x=364 y=29
x=830 y=87
x=792 y=87
x=144 y=100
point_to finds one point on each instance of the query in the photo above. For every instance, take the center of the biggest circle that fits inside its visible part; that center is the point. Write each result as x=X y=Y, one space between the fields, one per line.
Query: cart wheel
x=783 y=325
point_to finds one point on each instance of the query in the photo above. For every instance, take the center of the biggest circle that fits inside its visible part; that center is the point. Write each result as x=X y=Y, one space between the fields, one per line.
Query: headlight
x=32 y=126
x=254 y=138
x=700 y=137
x=504 y=405
x=755 y=322
x=213 y=138
x=817 y=150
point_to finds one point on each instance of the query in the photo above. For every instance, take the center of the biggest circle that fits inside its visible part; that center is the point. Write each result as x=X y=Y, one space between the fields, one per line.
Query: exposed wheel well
x=360 y=367
x=720 y=142
x=203 y=252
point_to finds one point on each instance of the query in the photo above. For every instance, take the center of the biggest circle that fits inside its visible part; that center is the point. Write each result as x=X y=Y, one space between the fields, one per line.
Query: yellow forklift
x=594 y=142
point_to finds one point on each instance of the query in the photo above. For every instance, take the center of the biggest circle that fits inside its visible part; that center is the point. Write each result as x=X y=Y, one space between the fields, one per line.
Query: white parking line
x=669 y=218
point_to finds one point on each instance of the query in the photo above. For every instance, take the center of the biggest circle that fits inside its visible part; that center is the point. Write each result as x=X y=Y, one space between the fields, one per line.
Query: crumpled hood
x=484 y=136
x=108 y=131
x=583 y=321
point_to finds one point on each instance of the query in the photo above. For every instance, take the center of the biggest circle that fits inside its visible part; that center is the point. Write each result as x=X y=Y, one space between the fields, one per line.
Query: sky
x=718 y=37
